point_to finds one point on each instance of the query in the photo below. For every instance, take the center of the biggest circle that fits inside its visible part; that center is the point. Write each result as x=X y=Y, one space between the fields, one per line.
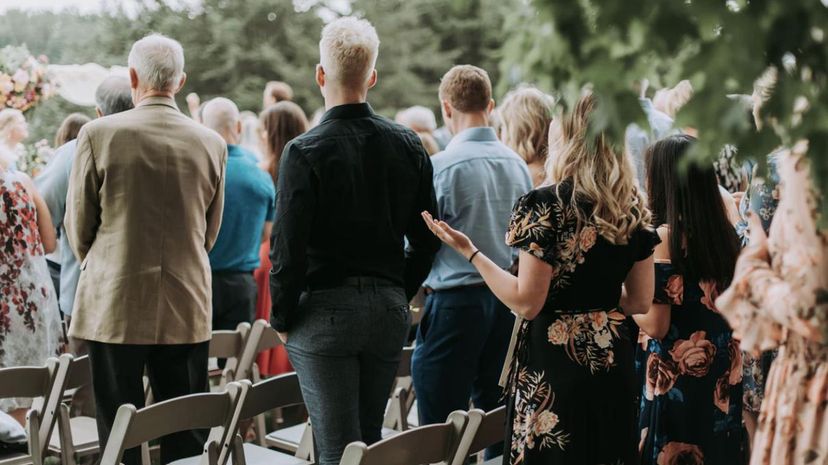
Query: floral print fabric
x=29 y=322
x=571 y=385
x=780 y=300
x=691 y=401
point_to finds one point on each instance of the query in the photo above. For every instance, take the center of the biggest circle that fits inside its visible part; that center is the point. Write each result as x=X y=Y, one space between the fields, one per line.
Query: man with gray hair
x=349 y=192
x=112 y=96
x=146 y=194
x=249 y=206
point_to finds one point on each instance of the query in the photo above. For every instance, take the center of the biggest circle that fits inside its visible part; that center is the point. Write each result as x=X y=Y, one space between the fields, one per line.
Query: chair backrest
x=133 y=427
x=80 y=373
x=426 y=444
x=483 y=430
x=270 y=339
x=44 y=384
x=244 y=367
x=276 y=392
x=228 y=343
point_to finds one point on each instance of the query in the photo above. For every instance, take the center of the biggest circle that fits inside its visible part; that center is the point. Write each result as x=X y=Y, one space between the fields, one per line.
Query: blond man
x=349 y=192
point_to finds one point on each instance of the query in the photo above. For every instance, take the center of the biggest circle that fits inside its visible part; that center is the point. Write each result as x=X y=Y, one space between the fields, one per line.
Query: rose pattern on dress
x=679 y=453
x=695 y=355
x=711 y=293
x=675 y=289
x=588 y=338
x=661 y=376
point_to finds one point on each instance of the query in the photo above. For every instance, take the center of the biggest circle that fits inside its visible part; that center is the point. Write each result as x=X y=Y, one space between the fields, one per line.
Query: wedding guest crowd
x=544 y=254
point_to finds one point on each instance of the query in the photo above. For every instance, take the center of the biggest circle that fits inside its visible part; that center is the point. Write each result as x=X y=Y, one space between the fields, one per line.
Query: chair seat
x=257 y=455
x=286 y=438
x=84 y=436
x=15 y=458
x=494 y=461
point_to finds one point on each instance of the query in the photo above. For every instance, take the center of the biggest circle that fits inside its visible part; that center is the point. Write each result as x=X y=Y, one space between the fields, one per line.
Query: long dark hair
x=281 y=122
x=686 y=197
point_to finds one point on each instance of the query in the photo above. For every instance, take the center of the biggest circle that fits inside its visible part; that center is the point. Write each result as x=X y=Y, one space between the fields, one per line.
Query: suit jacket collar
x=166 y=101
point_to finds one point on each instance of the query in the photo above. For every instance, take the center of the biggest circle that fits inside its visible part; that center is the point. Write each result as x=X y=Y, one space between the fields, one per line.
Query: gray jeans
x=345 y=346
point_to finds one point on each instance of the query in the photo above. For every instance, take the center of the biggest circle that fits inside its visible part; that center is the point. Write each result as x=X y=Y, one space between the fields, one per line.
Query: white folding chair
x=75 y=437
x=431 y=444
x=215 y=410
x=272 y=393
x=483 y=430
x=45 y=385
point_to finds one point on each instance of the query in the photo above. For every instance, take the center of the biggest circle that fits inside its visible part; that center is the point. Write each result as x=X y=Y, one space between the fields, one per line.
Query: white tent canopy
x=77 y=83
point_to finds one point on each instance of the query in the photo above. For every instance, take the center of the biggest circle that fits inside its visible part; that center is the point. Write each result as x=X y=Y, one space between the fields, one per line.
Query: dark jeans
x=461 y=347
x=174 y=371
x=234 y=299
x=345 y=346
x=54 y=273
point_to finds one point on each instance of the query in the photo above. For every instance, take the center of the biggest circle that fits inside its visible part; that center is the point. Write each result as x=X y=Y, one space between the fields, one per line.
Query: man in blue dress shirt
x=464 y=333
x=249 y=208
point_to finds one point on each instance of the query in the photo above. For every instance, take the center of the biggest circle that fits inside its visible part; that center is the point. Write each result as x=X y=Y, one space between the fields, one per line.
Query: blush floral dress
x=571 y=384
x=691 y=401
x=30 y=330
x=782 y=302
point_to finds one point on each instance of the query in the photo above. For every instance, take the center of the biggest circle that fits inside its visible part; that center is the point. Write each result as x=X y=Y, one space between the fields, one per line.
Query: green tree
x=722 y=47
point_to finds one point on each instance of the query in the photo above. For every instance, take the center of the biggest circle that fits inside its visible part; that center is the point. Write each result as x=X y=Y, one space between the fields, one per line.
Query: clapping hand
x=450 y=236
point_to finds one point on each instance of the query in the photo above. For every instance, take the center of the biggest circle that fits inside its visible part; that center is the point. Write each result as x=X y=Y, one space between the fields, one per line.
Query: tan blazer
x=144 y=207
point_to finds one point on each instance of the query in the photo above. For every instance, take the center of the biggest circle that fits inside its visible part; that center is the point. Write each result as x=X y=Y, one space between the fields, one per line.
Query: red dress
x=274 y=361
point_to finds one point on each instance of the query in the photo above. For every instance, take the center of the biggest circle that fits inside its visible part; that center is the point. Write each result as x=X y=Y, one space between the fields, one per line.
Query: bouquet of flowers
x=24 y=79
x=35 y=157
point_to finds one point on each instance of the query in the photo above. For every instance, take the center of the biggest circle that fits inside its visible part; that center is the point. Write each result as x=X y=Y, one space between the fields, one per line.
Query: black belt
x=355 y=281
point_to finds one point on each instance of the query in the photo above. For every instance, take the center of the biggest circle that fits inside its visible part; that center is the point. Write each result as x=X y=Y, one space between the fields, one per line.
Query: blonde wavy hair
x=525 y=115
x=599 y=176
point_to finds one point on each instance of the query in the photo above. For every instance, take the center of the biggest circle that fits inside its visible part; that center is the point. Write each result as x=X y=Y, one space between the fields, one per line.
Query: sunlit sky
x=96 y=6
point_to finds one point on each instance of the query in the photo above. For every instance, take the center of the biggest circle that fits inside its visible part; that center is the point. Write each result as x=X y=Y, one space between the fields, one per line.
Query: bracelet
x=477 y=251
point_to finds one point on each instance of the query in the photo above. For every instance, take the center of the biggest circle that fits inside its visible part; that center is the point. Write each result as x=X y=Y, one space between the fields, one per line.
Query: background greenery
x=234 y=46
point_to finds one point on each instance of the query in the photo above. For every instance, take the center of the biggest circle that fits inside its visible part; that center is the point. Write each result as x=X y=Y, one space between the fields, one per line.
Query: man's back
x=367 y=179
x=477 y=180
x=144 y=208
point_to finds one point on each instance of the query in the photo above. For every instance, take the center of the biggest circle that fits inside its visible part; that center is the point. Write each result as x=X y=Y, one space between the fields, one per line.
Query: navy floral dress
x=571 y=386
x=691 y=401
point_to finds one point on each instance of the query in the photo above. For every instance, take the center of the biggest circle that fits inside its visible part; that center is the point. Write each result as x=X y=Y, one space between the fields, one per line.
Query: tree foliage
x=722 y=47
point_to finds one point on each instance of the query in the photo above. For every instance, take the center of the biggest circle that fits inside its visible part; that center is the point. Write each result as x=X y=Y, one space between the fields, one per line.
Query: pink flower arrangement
x=24 y=79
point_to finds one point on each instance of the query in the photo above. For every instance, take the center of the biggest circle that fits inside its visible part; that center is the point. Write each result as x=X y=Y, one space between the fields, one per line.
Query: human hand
x=451 y=237
x=193 y=100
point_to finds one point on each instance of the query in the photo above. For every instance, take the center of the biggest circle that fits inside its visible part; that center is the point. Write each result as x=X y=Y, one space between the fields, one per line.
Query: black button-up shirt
x=349 y=191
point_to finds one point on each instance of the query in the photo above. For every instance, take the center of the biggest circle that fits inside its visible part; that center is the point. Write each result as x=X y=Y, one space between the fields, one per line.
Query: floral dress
x=571 y=385
x=691 y=401
x=30 y=330
x=782 y=302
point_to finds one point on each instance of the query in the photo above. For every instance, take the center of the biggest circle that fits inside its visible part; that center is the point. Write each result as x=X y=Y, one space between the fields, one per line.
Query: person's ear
x=98 y=112
x=320 y=76
x=133 y=78
x=447 y=109
x=372 y=81
x=238 y=127
x=181 y=82
x=490 y=107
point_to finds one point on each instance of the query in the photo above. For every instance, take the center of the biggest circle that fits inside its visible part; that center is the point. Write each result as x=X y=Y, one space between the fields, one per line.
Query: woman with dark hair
x=70 y=127
x=280 y=123
x=691 y=401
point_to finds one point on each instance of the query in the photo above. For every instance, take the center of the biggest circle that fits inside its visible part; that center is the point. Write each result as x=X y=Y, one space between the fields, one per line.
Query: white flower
x=603 y=339
x=558 y=333
x=545 y=423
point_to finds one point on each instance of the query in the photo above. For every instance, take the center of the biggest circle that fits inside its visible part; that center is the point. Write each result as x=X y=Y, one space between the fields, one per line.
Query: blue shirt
x=249 y=202
x=477 y=181
x=53 y=185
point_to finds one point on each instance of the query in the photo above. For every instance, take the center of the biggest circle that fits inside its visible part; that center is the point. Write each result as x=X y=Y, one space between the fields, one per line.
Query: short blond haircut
x=467 y=88
x=524 y=123
x=348 y=51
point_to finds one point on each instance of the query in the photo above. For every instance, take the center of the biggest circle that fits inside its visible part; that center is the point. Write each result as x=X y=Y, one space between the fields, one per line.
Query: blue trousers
x=461 y=347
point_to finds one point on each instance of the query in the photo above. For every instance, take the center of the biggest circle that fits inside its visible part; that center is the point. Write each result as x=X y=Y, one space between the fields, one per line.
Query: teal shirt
x=249 y=201
x=477 y=180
